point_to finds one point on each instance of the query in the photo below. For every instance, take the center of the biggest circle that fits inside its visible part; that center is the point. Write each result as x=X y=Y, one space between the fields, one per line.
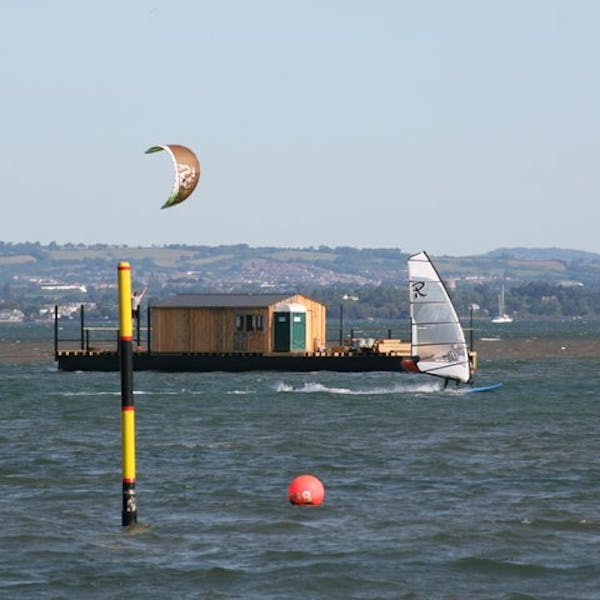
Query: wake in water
x=88 y=393
x=396 y=388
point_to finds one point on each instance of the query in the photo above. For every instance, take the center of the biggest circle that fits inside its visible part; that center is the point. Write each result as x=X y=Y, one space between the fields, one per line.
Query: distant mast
x=502 y=317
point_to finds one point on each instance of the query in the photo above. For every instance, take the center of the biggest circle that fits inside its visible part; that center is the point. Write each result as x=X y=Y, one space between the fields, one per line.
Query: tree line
x=384 y=301
x=527 y=300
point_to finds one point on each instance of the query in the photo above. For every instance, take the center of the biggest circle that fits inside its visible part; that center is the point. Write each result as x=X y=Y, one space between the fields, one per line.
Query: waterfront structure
x=237 y=323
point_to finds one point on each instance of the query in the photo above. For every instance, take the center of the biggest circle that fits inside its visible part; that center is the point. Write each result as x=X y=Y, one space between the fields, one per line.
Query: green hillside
x=544 y=282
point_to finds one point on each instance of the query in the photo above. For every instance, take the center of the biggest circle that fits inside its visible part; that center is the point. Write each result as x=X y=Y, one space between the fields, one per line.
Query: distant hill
x=544 y=254
x=240 y=266
x=538 y=281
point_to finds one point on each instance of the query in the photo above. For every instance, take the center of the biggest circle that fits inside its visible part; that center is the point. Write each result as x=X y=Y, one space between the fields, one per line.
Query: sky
x=456 y=127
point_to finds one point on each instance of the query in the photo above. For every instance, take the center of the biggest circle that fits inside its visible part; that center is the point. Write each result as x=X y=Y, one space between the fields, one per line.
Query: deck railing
x=96 y=338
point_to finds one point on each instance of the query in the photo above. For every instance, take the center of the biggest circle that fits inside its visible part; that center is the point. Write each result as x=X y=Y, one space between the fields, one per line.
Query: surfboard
x=484 y=388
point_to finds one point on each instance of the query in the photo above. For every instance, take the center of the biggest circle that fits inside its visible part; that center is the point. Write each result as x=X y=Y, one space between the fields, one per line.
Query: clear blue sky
x=451 y=126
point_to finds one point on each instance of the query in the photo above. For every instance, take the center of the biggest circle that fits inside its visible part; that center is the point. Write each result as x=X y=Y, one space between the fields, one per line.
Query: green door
x=281 y=331
x=298 y=332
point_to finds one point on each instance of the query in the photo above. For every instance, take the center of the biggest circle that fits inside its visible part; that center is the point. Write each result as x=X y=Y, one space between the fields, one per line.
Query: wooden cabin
x=237 y=323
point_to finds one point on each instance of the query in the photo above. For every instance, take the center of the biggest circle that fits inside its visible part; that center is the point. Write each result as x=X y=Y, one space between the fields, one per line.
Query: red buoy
x=306 y=489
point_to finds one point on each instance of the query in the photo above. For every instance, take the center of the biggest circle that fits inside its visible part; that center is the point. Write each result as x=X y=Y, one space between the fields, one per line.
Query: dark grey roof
x=220 y=300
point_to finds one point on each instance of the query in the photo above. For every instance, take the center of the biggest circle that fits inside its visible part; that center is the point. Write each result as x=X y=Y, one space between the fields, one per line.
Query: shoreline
x=42 y=351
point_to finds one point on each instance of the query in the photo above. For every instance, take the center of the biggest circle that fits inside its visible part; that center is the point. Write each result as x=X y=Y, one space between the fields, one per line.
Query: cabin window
x=249 y=323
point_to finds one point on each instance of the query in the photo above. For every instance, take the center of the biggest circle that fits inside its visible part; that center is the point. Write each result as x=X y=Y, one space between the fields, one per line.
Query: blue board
x=484 y=388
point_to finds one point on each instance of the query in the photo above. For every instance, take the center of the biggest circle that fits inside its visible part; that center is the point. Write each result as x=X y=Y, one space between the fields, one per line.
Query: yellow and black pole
x=129 y=514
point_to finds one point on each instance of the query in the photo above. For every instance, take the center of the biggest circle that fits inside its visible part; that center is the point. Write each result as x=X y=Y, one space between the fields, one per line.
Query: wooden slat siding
x=270 y=327
x=213 y=330
x=210 y=329
x=170 y=329
x=205 y=330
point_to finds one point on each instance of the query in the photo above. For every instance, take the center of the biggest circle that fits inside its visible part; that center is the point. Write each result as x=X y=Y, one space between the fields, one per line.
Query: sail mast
x=437 y=336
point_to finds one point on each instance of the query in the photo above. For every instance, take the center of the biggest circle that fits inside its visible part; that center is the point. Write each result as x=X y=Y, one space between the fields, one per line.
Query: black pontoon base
x=205 y=362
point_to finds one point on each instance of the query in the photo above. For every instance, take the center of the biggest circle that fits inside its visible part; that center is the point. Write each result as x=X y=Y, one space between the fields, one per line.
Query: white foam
x=319 y=388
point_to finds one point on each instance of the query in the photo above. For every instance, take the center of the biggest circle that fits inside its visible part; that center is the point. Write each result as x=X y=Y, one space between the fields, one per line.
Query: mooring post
x=148 y=329
x=82 y=326
x=129 y=514
x=56 y=332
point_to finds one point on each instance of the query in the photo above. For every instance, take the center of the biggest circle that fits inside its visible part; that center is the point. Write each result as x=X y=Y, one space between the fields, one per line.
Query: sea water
x=430 y=493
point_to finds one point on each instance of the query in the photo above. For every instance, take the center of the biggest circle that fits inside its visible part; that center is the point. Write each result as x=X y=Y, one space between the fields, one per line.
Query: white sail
x=502 y=316
x=438 y=339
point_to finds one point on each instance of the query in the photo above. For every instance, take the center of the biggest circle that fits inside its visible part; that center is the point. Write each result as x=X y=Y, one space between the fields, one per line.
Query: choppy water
x=429 y=493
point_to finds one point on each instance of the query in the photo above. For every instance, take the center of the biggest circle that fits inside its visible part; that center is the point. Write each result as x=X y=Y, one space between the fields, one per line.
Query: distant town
x=369 y=283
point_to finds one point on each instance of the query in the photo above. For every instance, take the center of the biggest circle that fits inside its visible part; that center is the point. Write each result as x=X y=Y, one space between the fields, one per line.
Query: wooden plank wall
x=170 y=329
x=214 y=329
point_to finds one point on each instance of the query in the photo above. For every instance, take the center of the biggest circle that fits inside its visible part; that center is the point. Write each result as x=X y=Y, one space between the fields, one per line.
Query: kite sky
x=455 y=126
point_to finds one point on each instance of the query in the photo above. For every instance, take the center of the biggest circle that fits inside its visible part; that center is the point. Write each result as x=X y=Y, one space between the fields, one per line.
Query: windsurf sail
x=437 y=337
x=187 y=171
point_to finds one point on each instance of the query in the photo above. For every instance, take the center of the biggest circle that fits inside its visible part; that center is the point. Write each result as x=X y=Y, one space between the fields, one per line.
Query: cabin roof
x=220 y=300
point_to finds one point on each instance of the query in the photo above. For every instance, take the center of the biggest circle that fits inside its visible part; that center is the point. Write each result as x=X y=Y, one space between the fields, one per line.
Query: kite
x=187 y=172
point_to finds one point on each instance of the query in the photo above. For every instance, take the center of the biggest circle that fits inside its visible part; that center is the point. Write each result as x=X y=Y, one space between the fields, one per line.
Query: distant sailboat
x=437 y=337
x=502 y=317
